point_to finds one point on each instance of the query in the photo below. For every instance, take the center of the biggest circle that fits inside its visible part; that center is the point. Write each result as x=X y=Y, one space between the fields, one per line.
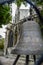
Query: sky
x=2 y=31
x=14 y=7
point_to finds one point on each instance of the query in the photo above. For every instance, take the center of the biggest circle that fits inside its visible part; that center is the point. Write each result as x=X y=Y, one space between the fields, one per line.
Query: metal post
x=16 y=59
x=27 y=59
x=34 y=58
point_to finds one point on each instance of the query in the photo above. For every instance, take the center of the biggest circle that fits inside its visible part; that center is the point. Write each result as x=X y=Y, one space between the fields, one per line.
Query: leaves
x=38 y=2
x=1 y=43
x=18 y=2
x=5 y=16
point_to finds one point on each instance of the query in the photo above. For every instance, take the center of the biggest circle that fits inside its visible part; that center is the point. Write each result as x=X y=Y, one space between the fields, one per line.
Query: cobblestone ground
x=9 y=61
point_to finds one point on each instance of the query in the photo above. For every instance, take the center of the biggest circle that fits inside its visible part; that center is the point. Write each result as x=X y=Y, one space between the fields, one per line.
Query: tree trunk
x=17 y=18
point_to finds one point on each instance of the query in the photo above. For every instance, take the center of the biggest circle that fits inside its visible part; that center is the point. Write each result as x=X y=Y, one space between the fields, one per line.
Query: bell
x=31 y=41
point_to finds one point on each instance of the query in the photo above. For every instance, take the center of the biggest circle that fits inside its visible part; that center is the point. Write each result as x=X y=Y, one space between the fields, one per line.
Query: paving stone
x=9 y=61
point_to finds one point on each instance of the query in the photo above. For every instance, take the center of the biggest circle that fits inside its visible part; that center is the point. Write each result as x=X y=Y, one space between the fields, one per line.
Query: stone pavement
x=9 y=61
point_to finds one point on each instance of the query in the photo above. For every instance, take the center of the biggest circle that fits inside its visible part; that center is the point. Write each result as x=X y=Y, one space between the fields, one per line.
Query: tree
x=5 y=15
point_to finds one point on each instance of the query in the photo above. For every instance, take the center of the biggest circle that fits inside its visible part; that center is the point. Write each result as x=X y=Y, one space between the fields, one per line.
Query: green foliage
x=18 y=2
x=5 y=16
x=40 y=2
x=1 y=44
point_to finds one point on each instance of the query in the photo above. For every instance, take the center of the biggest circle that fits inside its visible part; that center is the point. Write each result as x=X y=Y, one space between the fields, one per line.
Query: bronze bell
x=31 y=41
